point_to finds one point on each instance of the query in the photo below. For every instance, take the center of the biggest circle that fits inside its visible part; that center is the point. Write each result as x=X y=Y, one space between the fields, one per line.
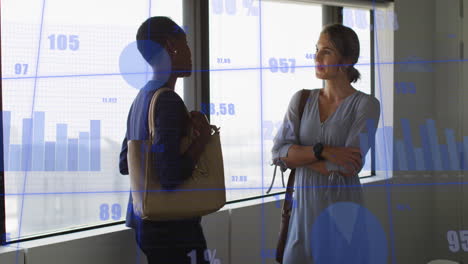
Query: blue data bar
x=419 y=159
x=15 y=157
x=6 y=138
x=409 y=147
x=95 y=136
x=434 y=143
x=26 y=150
x=452 y=150
x=83 y=151
x=49 y=163
x=72 y=154
x=401 y=155
x=62 y=144
x=38 y=141
x=426 y=146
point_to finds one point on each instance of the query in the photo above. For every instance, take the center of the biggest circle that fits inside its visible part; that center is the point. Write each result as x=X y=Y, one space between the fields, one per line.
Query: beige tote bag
x=199 y=195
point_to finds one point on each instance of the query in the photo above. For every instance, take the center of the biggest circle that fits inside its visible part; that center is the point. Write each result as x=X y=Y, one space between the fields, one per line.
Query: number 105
x=62 y=42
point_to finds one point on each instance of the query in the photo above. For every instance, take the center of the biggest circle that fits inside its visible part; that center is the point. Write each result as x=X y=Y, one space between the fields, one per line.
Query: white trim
x=340 y=3
x=381 y=177
x=192 y=84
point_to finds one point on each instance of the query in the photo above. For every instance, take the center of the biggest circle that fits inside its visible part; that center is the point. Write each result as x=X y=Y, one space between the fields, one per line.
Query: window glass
x=359 y=21
x=256 y=67
x=67 y=90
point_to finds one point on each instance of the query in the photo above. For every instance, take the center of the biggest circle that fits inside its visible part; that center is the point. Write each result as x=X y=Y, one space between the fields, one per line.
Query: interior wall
x=464 y=123
x=413 y=190
x=11 y=255
x=448 y=93
x=405 y=216
x=432 y=31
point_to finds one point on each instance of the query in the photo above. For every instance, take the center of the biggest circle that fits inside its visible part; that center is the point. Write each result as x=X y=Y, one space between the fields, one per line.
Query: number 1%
x=210 y=255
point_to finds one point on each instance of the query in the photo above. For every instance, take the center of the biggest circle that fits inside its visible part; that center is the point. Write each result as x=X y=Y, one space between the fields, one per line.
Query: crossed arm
x=348 y=160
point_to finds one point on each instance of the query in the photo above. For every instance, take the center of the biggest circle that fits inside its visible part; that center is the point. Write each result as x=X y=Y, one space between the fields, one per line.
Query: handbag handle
x=304 y=95
x=152 y=110
x=273 y=180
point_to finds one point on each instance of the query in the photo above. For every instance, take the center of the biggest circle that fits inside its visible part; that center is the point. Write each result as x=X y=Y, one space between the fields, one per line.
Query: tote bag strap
x=152 y=110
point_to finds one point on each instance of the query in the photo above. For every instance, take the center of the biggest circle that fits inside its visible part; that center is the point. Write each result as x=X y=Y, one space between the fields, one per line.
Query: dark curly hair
x=155 y=30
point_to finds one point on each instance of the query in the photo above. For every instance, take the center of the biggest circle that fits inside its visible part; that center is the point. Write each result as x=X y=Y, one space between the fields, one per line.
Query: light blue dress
x=357 y=114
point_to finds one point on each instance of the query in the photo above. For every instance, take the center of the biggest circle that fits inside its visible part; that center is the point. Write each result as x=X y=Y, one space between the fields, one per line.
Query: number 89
x=116 y=212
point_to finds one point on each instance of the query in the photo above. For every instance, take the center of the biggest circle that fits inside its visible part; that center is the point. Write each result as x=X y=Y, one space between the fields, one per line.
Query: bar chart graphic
x=402 y=154
x=82 y=153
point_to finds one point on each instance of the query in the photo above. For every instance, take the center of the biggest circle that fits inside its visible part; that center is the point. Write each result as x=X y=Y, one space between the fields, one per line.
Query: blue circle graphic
x=346 y=232
x=136 y=71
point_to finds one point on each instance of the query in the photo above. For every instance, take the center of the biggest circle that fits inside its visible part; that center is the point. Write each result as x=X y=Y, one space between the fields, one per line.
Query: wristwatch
x=318 y=148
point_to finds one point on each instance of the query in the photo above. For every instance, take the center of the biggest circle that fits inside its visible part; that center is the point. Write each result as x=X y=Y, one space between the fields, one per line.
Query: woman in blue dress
x=324 y=145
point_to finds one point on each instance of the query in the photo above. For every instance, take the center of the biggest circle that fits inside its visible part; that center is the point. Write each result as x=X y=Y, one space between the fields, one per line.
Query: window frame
x=372 y=77
x=332 y=13
x=2 y=165
x=3 y=235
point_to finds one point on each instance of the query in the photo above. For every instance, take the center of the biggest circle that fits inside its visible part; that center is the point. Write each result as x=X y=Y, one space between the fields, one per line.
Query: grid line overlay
x=387 y=185
x=31 y=115
x=412 y=160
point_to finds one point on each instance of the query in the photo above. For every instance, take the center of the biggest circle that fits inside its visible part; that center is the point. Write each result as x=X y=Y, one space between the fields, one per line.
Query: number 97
x=21 y=68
